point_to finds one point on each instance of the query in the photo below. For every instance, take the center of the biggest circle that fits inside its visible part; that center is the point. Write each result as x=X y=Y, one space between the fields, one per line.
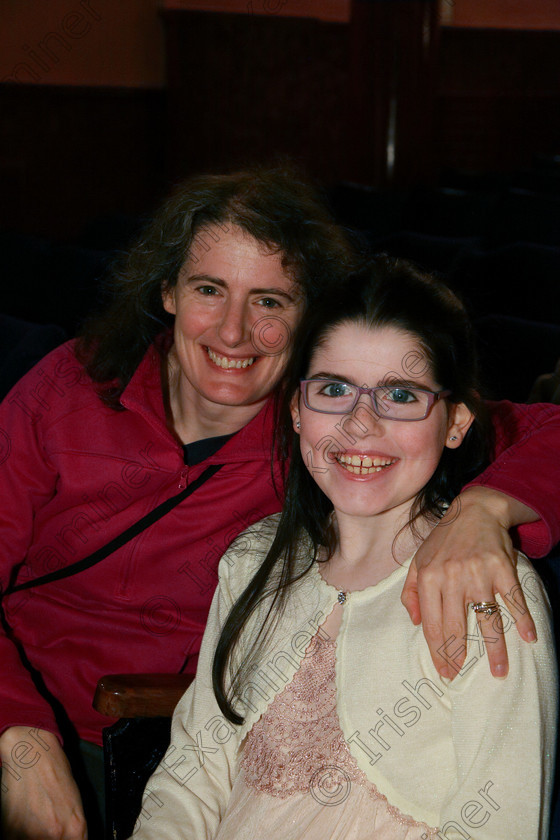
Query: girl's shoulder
x=530 y=583
x=248 y=551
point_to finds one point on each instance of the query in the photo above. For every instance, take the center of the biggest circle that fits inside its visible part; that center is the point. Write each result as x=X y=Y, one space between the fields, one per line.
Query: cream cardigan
x=473 y=757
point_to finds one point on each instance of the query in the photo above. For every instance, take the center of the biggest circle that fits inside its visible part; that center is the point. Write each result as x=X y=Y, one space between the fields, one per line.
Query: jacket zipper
x=183 y=478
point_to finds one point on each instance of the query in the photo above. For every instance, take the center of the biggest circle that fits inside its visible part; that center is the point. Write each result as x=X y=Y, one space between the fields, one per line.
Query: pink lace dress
x=297 y=776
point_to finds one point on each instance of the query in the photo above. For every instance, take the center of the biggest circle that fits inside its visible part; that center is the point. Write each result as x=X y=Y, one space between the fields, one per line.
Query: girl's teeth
x=363 y=465
x=224 y=362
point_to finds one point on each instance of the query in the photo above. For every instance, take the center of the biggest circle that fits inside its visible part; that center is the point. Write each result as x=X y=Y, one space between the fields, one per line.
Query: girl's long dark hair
x=277 y=205
x=385 y=292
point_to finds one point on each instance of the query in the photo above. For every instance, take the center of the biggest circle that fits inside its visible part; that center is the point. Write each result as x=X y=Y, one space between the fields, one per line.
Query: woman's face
x=235 y=309
x=364 y=463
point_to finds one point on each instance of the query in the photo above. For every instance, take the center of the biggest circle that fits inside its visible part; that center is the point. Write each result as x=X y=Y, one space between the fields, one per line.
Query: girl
x=316 y=711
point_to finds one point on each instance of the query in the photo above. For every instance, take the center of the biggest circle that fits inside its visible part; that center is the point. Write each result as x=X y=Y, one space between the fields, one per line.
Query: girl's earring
x=453 y=437
x=298 y=424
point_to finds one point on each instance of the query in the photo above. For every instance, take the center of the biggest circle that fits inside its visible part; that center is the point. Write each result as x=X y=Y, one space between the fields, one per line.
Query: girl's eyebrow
x=326 y=375
x=391 y=380
x=395 y=381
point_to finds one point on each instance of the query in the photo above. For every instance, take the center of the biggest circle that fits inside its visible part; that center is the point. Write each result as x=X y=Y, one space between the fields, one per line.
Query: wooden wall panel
x=92 y=43
x=244 y=89
x=351 y=101
x=70 y=154
x=331 y=10
x=503 y=14
x=340 y=97
x=498 y=99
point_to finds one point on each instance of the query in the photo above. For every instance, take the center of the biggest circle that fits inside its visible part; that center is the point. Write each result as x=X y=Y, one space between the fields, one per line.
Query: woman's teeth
x=224 y=362
x=363 y=464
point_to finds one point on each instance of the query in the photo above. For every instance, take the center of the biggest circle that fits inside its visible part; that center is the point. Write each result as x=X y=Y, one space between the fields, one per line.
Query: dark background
x=235 y=88
x=434 y=128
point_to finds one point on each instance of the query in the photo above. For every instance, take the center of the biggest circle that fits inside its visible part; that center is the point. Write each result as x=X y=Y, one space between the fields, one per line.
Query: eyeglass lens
x=393 y=401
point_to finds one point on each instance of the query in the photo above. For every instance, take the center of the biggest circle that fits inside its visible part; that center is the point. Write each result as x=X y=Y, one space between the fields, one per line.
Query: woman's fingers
x=409 y=595
x=468 y=558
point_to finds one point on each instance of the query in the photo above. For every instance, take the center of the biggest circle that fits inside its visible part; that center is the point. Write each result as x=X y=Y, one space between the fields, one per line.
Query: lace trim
x=298 y=746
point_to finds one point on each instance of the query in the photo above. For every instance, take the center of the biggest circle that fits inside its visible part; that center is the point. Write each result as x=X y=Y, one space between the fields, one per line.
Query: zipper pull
x=183 y=478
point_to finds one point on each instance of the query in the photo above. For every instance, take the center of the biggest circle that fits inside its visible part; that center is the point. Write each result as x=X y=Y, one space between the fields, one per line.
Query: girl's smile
x=369 y=464
x=363 y=464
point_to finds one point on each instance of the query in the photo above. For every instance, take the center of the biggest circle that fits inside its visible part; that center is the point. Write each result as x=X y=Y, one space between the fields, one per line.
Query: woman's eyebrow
x=205 y=278
x=272 y=291
x=217 y=281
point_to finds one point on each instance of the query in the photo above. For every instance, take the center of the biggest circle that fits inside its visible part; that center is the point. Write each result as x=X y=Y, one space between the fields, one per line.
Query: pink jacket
x=74 y=474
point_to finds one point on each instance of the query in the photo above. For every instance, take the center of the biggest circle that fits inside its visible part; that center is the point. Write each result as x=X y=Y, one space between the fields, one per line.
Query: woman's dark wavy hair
x=278 y=206
x=384 y=292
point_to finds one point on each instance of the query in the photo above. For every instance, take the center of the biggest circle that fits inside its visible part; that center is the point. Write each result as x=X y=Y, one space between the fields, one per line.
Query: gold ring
x=486 y=607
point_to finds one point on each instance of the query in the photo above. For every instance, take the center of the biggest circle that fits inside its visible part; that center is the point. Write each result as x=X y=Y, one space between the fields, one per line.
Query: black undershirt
x=195 y=453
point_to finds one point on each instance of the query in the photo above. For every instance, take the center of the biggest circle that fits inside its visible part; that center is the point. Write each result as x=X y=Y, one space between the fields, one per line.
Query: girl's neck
x=369 y=549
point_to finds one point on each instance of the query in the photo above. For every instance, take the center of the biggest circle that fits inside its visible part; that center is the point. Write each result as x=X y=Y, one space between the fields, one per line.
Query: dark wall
x=243 y=88
x=498 y=98
x=340 y=97
x=68 y=154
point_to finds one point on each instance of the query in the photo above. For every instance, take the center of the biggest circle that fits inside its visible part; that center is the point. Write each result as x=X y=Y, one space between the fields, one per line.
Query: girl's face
x=366 y=464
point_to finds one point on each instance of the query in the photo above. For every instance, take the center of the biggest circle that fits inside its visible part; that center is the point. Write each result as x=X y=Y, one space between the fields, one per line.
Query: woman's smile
x=229 y=362
x=235 y=309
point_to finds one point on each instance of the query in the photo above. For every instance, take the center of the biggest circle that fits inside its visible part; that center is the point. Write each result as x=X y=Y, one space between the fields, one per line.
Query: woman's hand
x=44 y=802
x=468 y=558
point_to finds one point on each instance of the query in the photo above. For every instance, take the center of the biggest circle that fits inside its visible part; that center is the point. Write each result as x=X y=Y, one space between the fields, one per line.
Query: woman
x=105 y=430
x=180 y=376
x=321 y=692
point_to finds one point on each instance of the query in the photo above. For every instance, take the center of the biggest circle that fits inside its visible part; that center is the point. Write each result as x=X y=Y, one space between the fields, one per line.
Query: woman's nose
x=233 y=328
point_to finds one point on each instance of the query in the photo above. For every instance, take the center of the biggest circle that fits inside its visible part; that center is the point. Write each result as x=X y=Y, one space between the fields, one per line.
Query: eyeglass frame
x=433 y=397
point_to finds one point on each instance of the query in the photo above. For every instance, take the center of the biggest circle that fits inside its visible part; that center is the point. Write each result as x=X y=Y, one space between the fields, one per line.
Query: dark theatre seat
x=134 y=745
x=22 y=345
